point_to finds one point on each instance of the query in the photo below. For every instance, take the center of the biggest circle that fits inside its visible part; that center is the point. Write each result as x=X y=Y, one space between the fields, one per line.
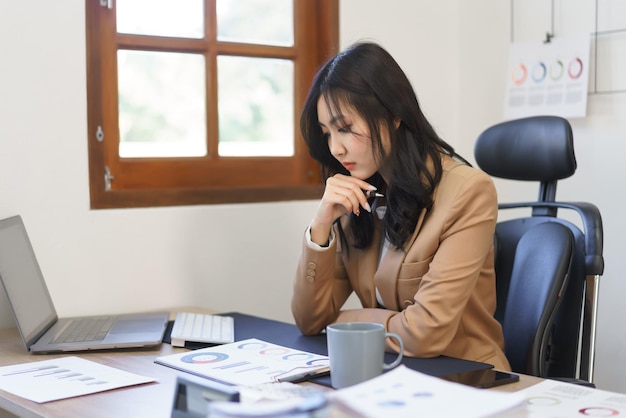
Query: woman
x=419 y=255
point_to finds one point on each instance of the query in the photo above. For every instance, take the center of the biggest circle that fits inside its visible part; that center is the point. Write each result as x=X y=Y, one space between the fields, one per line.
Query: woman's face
x=349 y=139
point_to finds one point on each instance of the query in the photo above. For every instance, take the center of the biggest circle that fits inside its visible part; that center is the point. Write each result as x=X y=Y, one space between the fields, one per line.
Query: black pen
x=302 y=377
x=373 y=193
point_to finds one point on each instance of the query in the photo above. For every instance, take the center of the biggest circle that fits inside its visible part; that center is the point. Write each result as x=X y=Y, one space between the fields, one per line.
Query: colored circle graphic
x=556 y=70
x=252 y=346
x=599 y=411
x=274 y=351
x=204 y=358
x=297 y=356
x=316 y=361
x=543 y=401
x=575 y=68
x=539 y=72
x=519 y=75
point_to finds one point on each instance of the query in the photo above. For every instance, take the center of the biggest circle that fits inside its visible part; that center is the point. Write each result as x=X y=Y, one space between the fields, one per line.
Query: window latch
x=108 y=178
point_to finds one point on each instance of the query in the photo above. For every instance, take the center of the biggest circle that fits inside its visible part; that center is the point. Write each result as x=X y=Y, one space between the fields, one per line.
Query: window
x=197 y=101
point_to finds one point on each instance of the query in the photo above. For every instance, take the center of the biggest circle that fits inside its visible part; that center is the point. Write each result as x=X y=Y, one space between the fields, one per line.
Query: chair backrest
x=541 y=149
x=540 y=269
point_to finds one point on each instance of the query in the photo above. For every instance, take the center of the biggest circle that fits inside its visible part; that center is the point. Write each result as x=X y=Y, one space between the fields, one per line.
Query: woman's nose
x=335 y=146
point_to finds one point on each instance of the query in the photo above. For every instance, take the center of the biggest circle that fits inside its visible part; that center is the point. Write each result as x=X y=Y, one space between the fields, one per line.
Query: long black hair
x=366 y=78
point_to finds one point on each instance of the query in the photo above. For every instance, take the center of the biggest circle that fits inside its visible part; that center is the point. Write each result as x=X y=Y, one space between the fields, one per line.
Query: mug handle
x=399 y=358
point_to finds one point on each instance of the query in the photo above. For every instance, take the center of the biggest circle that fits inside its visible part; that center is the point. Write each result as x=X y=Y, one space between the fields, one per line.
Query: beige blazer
x=439 y=295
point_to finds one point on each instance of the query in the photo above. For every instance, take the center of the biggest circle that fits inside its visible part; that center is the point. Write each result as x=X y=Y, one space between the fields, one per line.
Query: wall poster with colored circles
x=548 y=78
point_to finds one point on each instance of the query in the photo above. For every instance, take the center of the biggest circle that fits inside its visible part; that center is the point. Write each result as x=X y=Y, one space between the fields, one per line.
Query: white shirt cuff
x=316 y=246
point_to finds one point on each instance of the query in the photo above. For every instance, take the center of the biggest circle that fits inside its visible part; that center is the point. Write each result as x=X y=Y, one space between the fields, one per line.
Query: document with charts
x=403 y=392
x=248 y=362
x=66 y=377
x=554 y=399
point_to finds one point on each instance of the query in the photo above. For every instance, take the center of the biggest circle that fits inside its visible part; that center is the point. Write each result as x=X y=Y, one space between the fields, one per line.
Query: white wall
x=242 y=257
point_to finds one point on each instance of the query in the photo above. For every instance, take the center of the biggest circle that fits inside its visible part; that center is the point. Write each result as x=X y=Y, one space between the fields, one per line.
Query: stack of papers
x=248 y=362
x=403 y=392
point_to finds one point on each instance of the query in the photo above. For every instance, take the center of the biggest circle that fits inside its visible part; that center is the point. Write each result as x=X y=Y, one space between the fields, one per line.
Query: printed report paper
x=247 y=363
x=403 y=392
x=554 y=399
x=66 y=377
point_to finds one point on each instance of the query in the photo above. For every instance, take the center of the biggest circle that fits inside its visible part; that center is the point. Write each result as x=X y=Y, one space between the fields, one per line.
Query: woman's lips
x=349 y=166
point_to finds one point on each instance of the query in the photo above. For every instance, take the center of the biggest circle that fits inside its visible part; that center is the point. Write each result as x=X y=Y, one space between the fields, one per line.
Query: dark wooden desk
x=149 y=400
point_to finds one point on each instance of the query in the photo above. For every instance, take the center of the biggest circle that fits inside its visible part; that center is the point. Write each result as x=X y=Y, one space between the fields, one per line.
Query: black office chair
x=553 y=336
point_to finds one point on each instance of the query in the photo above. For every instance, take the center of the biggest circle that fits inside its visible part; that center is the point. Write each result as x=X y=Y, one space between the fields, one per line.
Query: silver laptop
x=36 y=317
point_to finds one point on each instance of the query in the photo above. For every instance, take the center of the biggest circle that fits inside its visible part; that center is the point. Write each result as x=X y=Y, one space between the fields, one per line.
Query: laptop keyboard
x=205 y=328
x=85 y=329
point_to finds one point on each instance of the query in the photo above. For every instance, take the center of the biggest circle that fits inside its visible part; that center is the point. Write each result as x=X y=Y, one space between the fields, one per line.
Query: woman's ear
x=397 y=122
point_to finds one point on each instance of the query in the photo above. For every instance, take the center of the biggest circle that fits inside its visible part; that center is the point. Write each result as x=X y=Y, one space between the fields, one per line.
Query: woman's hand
x=343 y=194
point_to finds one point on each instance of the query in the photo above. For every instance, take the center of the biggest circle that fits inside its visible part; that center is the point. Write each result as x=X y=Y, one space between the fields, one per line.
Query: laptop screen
x=22 y=279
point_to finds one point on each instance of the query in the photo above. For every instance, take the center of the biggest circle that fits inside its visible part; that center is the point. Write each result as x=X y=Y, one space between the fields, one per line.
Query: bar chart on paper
x=61 y=378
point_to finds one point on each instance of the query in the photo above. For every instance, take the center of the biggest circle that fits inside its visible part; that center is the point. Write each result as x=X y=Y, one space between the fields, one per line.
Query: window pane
x=255 y=106
x=162 y=109
x=181 y=18
x=267 y=22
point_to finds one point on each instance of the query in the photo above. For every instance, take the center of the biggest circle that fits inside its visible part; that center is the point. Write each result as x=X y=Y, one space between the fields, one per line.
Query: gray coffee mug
x=357 y=352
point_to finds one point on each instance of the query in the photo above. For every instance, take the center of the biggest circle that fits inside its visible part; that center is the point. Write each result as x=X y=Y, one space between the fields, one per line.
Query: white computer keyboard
x=202 y=328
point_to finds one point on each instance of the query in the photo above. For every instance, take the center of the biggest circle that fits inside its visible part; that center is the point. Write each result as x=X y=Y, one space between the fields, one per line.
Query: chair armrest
x=592 y=226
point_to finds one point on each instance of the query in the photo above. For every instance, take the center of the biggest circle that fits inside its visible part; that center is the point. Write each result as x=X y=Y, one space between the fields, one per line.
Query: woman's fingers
x=343 y=194
x=348 y=192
